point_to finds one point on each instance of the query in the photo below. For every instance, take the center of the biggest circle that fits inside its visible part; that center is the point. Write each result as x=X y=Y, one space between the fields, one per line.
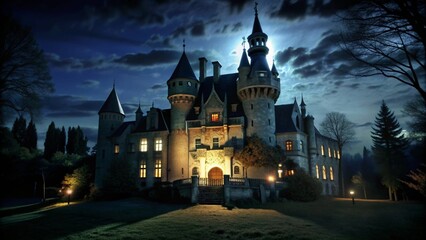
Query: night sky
x=90 y=44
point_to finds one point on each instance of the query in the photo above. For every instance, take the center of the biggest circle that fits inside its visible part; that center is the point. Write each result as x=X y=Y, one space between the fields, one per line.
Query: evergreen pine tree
x=388 y=149
x=50 y=143
x=62 y=140
x=18 y=130
x=81 y=142
x=30 y=140
x=71 y=140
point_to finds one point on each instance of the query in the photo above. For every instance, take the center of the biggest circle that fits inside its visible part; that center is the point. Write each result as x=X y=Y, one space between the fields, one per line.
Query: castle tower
x=258 y=87
x=111 y=116
x=182 y=90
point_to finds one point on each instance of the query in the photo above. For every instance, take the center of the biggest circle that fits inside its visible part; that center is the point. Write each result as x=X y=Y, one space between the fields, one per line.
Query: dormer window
x=215 y=117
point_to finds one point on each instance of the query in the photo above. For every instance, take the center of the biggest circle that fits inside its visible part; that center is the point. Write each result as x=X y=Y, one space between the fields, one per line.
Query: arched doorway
x=215 y=177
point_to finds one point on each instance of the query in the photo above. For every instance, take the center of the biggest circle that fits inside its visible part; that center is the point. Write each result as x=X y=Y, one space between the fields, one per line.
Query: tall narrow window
x=215 y=117
x=322 y=150
x=197 y=143
x=158 y=168
x=324 y=173
x=269 y=121
x=236 y=170
x=252 y=124
x=317 y=170
x=331 y=174
x=215 y=143
x=144 y=145
x=116 y=148
x=131 y=147
x=158 y=144
x=329 y=152
x=334 y=153
x=338 y=154
x=301 y=147
x=143 y=169
x=251 y=106
x=289 y=145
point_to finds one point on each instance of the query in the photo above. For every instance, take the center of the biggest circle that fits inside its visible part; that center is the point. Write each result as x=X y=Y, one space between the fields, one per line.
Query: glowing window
x=324 y=173
x=143 y=169
x=322 y=150
x=158 y=144
x=144 y=145
x=329 y=152
x=116 y=148
x=289 y=145
x=331 y=174
x=215 y=117
x=215 y=142
x=158 y=168
x=236 y=170
x=338 y=155
x=317 y=171
x=334 y=153
x=290 y=172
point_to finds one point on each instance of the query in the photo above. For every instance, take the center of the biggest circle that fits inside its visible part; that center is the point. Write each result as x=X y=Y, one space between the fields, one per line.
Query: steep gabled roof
x=163 y=122
x=283 y=118
x=183 y=69
x=112 y=104
x=119 y=131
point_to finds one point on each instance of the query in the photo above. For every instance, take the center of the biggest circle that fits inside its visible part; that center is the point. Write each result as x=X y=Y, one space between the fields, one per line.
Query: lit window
x=189 y=84
x=194 y=171
x=144 y=145
x=262 y=74
x=290 y=172
x=236 y=170
x=329 y=152
x=143 y=169
x=301 y=146
x=317 y=171
x=322 y=150
x=158 y=168
x=334 y=153
x=215 y=142
x=215 y=117
x=331 y=174
x=116 y=148
x=338 y=155
x=197 y=143
x=288 y=145
x=324 y=173
x=158 y=144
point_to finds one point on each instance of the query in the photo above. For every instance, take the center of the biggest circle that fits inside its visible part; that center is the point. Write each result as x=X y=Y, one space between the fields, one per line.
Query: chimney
x=216 y=71
x=203 y=69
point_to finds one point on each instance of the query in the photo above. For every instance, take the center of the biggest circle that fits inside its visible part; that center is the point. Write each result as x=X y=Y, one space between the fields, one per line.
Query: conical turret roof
x=244 y=60
x=257 y=28
x=112 y=104
x=274 y=69
x=183 y=69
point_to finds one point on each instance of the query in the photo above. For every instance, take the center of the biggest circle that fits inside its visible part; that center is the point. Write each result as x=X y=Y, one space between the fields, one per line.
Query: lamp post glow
x=352 y=193
x=69 y=192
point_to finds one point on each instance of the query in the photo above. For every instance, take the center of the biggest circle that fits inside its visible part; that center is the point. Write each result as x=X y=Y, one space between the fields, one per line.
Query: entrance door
x=215 y=177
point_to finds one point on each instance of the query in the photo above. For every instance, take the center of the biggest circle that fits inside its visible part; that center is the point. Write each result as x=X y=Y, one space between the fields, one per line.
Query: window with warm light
x=116 y=148
x=289 y=145
x=215 y=143
x=329 y=152
x=322 y=150
x=143 y=169
x=158 y=168
x=338 y=154
x=331 y=174
x=324 y=173
x=144 y=145
x=317 y=171
x=215 y=117
x=158 y=144
x=334 y=153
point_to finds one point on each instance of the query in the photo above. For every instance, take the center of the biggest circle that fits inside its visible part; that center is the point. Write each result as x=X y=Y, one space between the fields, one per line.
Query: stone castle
x=208 y=120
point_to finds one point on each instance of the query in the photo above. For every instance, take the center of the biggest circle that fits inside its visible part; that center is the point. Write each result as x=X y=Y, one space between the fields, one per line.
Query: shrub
x=302 y=187
x=120 y=180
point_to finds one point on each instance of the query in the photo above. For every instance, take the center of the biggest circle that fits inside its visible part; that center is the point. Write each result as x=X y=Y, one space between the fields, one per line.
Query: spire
x=302 y=104
x=244 y=60
x=257 y=28
x=183 y=45
x=274 y=69
x=112 y=104
x=183 y=69
x=139 y=110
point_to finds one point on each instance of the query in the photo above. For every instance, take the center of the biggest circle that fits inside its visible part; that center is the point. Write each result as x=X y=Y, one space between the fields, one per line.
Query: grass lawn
x=140 y=219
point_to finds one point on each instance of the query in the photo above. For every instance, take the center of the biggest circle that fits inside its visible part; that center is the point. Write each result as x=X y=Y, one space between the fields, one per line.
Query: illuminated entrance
x=215 y=177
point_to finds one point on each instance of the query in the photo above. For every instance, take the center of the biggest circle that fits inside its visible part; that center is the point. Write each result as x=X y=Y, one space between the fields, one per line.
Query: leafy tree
x=30 y=140
x=24 y=75
x=118 y=182
x=302 y=187
x=417 y=181
x=416 y=110
x=19 y=129
x=256 y=153
x=79 y=181
x=338 y=127
x=388 y=148
x=388 y=38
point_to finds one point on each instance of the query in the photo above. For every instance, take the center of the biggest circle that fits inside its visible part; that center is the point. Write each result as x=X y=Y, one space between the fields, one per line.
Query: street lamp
x=69 y=192
x=352 y=193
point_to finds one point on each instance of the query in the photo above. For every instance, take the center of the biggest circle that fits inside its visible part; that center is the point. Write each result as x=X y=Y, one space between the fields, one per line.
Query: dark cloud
x=309 y=70
x=74 y=63
x=353 y=86
x=299 y=9
x=152 y=58
x=198 y=29
x=375 y=86
x=238 y=5
x=70 y=106
x=282 y=57
x=237 y=27
x=158 y=86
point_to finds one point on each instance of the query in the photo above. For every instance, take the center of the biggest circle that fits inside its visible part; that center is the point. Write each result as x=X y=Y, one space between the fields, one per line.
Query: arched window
x=324 y=173
x=289 y=145
x=331 y=174
x=236 y=170
x=194 y=171
x=317 y=171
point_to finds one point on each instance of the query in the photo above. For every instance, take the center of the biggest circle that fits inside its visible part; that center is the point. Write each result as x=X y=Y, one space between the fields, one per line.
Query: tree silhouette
x=24 y=75
x=30 y=140
x=388 y=149
x=338 y=127
x=19 y=130
x=388 y=38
